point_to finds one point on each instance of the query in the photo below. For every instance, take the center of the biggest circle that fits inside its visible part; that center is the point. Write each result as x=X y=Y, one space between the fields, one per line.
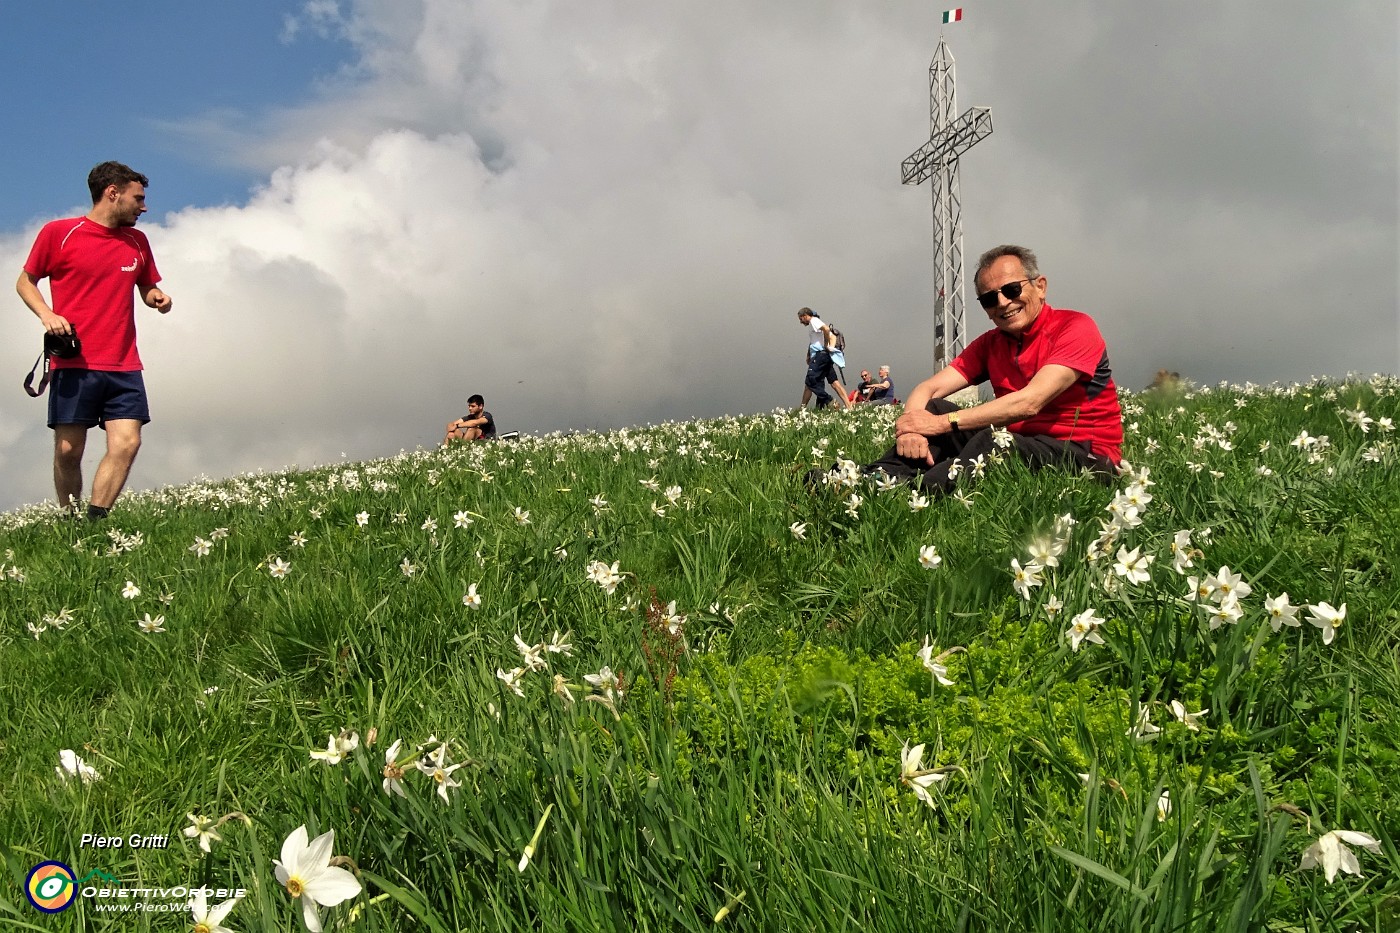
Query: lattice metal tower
x=949 y=138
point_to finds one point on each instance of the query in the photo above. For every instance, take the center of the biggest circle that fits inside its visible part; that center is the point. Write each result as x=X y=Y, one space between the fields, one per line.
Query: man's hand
x=915 y=447
x=56 y=324
x=155 y=298
x=921 y=421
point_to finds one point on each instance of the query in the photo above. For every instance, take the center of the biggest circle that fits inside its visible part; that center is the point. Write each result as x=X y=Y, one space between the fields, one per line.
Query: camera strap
x=44 y=382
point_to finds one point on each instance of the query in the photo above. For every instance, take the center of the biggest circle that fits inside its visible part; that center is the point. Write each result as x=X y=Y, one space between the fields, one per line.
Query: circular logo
x=50 y=887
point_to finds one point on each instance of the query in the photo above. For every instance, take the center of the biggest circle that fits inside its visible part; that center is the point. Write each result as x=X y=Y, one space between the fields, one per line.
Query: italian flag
x=952 y=16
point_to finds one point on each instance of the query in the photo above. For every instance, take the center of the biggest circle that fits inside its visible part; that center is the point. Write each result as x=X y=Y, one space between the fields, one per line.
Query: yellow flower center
x=203 y=928
x=294 y=886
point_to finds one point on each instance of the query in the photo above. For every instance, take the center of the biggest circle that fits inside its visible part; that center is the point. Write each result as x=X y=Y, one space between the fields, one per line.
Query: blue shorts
x=90 y=397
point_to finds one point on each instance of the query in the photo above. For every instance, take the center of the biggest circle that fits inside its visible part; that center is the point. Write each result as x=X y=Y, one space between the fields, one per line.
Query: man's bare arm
x=28 y=289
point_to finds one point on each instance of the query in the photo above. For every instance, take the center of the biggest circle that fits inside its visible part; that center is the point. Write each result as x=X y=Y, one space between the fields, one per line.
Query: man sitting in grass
x=476 y=425
x=1049 y=371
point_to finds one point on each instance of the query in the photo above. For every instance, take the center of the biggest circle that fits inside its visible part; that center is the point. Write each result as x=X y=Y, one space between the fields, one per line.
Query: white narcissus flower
x=928 y=557
x=1228 y=584
x=1023 y=578
x=511 y=679
x=201 y=828
x=674 y=621
x=1192 y=721
x=434 y=764
x=608 y=577
x=559 y=644
x=306 y=872
x=393 y=770
x=470 y=599
x=1132 y=565
x=798 y=529
x=521 y=516
x=337 y=747
x=279 y=568
x=913 y=775
x=1281 y=612
x=917 y=502
x=1082 y=628
x=1045 y=551
x=562 y=690
x=1144 y=730
x=131 y=590
x=408 y=567
x=150 y=626
x=71 y=766
x=461 y=519
x=210 y=919
x=362 y=519
x=1228 y=612
x=934 y=663
x=531 y=654
x=201 y=547
x=1328 y=619
x=1331 y=852
x=1164 y=806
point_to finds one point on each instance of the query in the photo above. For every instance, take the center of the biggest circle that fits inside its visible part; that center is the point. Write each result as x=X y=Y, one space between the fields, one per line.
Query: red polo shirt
x=93 y=271
x=1086 y=412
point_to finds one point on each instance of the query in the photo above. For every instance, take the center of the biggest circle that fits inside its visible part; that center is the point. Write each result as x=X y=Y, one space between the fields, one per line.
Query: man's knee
x=68 y=446
x=940 y=406
x=124 y=442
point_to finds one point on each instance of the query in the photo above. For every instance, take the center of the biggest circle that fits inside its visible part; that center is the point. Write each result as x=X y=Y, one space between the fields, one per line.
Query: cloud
x=605 y=214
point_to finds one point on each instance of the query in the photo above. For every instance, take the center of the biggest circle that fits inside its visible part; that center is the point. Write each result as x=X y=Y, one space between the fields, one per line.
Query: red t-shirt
x=1086 y=412
x=92 y=272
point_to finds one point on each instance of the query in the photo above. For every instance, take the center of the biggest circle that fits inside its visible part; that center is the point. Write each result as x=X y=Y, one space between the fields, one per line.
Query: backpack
x=837 y=340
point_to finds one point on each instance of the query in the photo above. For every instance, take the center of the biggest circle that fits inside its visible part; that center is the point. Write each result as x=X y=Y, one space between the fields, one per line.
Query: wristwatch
x=952 y=417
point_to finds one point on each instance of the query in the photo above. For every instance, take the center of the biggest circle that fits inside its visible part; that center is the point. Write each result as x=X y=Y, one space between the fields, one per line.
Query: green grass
x=753 y=768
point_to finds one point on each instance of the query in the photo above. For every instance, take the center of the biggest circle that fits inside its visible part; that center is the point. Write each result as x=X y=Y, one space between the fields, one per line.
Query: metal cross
x=949 y=138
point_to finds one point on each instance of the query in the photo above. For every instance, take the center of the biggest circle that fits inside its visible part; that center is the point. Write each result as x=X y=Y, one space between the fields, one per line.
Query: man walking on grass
x=95 y=264
x=1050 y=374
x=821 y=368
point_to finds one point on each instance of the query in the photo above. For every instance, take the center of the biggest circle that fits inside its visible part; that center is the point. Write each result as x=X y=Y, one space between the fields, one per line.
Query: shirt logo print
x=134 y=263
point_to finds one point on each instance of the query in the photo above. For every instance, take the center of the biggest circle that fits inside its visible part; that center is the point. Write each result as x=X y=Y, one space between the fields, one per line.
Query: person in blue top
x=880 y=391
x=821 y=367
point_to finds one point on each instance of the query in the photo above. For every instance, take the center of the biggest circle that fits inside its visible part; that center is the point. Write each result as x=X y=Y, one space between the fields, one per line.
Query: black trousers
x=963 y=447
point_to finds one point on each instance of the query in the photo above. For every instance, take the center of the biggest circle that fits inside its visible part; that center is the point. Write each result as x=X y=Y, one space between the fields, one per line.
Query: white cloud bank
x=605 y=213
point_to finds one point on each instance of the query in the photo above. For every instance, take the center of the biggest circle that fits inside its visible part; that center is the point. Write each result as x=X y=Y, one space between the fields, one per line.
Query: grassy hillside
x=695 y=690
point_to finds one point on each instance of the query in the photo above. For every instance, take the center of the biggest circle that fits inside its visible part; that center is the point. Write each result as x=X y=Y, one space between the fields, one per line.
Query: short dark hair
x=475 y=400
x=112 y=173
x=802 y=311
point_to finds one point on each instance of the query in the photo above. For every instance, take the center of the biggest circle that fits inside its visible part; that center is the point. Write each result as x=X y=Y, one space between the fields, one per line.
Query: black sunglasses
x=1011 y=291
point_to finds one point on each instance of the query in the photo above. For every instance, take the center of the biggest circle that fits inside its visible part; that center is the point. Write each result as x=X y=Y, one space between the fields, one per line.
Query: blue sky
x=606 y=213
x=86 y=81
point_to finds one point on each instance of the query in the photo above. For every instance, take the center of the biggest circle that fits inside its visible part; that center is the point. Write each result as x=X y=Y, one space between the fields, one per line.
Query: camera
x=63 y=346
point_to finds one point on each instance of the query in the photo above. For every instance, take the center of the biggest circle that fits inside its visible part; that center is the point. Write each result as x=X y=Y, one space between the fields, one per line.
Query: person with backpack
x=825 y=355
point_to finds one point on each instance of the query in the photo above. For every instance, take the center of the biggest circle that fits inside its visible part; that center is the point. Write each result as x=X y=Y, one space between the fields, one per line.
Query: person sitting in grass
x=879 y=391
x=476 y=425
x=1054 y=391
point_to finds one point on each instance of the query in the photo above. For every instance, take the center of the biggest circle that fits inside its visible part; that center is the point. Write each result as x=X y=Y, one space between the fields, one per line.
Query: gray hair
x=1028 y=261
